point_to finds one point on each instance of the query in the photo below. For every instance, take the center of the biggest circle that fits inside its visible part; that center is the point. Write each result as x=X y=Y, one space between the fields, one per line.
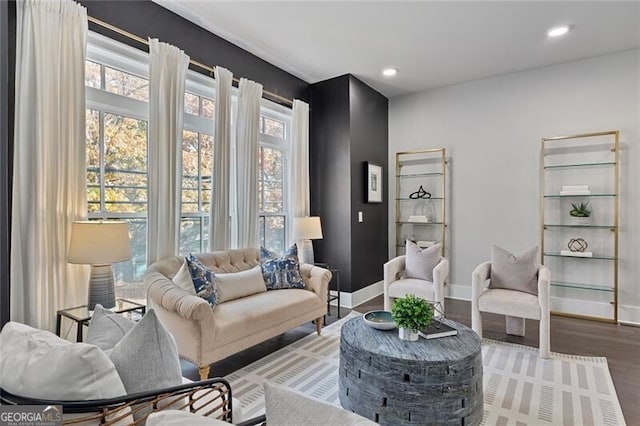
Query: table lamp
x=306 y=229
x=100 y=243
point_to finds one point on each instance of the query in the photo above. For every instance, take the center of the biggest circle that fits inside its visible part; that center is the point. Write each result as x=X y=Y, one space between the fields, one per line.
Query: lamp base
x=306 y=252
x=101 y=287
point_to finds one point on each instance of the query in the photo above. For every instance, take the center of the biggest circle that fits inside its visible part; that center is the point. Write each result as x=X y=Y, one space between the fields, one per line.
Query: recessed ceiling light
x=389 y=72
x=558 y=31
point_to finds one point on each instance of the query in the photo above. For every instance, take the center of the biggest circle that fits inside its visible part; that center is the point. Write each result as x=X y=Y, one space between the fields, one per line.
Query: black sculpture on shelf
x=420 y=193
x=577 y=245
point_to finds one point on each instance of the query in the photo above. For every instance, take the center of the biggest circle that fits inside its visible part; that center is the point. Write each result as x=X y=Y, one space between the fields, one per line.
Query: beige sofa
x=204 y=334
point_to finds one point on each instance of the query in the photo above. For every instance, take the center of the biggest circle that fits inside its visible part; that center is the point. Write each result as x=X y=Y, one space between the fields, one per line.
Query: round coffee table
x=391 y=381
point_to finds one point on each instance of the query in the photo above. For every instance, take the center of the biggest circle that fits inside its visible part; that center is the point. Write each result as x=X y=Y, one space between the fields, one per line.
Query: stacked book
x=437 y=329
x=575 y=190
x=576 y=253
x=420 y=218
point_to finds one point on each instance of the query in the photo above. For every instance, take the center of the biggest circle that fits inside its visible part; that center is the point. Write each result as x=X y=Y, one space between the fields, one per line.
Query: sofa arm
x=164 y=293
x=440 y=274
x=479 y=280
x=316 y=279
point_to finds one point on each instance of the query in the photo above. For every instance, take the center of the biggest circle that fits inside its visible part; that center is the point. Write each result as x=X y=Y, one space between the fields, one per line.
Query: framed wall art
x=373 y=183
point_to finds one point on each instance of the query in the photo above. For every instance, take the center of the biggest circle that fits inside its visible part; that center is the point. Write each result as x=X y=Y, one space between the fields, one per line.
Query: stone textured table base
x=394 y=382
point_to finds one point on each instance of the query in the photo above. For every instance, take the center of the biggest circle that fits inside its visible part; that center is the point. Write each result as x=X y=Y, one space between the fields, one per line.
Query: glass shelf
x=612 y=227
x=578 y=195
x=567 y=166
x=404 y=222
x=415 y=175
x=582 y=286
x=600 y=257
x=419 y=199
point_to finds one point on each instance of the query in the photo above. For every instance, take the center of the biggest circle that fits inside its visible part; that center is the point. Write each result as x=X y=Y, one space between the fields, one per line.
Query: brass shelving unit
x=591 y=159
x=424 y=169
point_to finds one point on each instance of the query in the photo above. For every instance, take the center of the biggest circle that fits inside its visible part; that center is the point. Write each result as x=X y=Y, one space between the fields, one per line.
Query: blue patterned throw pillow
x=203 y=280
x=281 y=272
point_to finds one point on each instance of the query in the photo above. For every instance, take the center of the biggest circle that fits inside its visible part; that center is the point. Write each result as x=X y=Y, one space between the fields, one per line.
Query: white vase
x=407 y=334
x=573 y=220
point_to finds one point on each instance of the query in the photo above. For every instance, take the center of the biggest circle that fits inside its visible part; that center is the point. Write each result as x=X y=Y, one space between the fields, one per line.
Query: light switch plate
x=360 y=217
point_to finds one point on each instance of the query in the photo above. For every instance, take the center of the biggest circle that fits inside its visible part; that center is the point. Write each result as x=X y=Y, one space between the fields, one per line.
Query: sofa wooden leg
x=319 y=322
x=203 y=370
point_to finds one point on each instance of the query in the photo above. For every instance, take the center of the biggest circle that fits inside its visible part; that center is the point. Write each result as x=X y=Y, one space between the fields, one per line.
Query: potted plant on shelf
x=580 y=214
x=410 y=314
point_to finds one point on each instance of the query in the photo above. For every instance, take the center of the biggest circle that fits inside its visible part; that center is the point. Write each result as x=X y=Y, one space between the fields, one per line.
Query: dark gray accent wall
x=369 y=112
x=330 y=174
x=349 y=126
x=147 y=19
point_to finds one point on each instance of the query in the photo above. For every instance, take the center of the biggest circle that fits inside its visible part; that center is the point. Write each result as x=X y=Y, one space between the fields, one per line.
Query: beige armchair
x=397 y=286
x=515 y=305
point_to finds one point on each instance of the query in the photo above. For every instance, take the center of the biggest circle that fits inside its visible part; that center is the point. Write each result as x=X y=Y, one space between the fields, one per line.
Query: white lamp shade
x=98 y=242
x=307 y=228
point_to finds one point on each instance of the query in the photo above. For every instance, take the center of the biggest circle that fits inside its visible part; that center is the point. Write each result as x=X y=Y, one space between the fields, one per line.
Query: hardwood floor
x=618 y=343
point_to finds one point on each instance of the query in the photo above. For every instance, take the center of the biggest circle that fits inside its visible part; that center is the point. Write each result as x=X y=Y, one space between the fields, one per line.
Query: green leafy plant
x=412 y=312
x=580 y=211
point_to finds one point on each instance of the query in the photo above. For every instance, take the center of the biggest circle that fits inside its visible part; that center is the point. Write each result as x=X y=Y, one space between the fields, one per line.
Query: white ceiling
x=432 y=44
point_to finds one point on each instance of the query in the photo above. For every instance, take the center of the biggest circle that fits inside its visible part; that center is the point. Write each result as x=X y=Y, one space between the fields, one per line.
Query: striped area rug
x=519 y=388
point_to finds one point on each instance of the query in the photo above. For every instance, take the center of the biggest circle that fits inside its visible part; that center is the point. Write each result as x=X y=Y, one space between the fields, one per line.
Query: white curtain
x=247 y=127
x=219 y=229
x=49 y=175
x=300 y=155
x=167 y=73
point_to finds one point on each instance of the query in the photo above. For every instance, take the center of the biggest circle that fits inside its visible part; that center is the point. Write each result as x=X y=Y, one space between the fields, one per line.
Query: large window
x=117 y=89
x=272 y=200
x=197 y=165
x=116 y=147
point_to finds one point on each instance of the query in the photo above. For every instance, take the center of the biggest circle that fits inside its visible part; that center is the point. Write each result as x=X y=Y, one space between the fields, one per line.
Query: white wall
x=492 y=130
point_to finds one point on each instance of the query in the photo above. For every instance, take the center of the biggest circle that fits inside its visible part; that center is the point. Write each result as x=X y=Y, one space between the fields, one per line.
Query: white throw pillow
x=284 y=407
x=514 y=273
x=107 y=328
x=182 y=279
x=38 y=364
x=147 y=357
x=419 y=263
x=240 y=284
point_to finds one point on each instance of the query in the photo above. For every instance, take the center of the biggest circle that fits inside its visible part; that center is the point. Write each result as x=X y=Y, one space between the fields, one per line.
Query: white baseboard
x=349 y=300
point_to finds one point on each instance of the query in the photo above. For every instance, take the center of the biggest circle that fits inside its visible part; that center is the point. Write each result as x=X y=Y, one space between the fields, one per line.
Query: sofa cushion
x=182 y=279
x=514 y=273
x=419 y=263
x=203 y=280
x=239 y=284
x=237 y=319
x=286 y=407
x=82 y=371
x=147 y=357
x=281 y=272
x=107 y=328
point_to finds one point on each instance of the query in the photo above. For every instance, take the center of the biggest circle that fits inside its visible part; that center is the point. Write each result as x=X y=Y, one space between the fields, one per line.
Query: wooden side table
x=82 y=315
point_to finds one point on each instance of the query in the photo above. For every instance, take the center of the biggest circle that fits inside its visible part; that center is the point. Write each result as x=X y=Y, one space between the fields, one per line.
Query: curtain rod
x=270 y=95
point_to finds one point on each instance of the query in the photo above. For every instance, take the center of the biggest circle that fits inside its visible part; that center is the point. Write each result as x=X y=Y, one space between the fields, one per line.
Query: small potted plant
x=410 y=314
x=580 y=214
